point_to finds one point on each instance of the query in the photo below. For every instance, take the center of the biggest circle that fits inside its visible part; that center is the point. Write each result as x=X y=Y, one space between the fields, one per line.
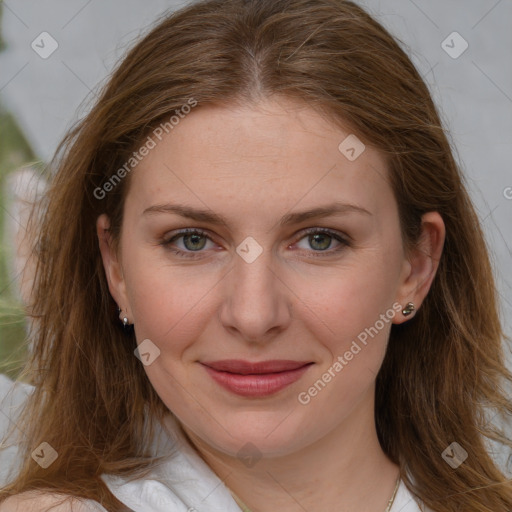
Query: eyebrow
x=208 y=216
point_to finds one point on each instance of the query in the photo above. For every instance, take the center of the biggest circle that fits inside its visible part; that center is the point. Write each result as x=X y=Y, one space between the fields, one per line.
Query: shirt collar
x=182 y=482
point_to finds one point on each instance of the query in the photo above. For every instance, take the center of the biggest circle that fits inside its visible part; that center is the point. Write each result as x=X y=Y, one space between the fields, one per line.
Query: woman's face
x=270 y=283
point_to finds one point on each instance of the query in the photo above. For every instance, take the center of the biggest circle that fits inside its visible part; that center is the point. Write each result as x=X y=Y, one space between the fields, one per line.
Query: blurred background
x=54 y=54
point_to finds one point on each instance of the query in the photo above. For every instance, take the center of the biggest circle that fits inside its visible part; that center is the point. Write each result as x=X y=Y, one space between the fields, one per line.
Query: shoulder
x=39 y=501
x=18 y=388
x=13 y=396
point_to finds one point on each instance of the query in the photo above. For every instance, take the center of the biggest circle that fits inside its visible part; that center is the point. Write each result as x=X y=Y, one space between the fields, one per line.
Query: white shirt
x=182 y=483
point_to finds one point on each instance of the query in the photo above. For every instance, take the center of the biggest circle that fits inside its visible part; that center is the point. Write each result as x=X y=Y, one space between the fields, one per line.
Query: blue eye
x=321 y=239
x=195 y=240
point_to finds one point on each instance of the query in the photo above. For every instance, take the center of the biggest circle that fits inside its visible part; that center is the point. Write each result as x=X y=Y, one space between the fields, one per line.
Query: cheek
x=351 y=335
x=350 y=313
x=345 y=302
x=166 y=303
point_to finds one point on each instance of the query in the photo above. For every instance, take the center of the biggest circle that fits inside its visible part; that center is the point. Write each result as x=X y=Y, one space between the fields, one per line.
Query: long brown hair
x=443 y=373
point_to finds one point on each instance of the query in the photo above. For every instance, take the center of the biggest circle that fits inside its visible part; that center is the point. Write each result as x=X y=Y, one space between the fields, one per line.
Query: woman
x=261 y=283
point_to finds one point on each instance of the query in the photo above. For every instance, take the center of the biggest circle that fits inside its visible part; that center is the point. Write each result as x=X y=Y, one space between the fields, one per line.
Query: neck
x=346 y=470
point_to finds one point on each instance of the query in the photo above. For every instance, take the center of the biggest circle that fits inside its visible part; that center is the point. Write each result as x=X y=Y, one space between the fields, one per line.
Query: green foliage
x=14 y=153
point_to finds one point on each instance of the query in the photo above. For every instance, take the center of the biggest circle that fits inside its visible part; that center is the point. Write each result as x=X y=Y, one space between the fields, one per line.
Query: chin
x=257 y=435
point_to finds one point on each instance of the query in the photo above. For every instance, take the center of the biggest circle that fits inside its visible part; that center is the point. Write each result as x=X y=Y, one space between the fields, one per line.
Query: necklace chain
x=245 y=508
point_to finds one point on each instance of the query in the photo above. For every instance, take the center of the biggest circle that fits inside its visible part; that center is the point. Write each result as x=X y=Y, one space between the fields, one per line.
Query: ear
x=422 y=263
x=112 y=264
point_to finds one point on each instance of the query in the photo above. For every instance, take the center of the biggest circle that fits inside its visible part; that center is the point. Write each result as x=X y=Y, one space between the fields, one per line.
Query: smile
x=258 y=379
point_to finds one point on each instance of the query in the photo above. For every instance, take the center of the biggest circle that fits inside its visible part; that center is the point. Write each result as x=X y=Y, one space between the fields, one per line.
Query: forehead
x=239 y=158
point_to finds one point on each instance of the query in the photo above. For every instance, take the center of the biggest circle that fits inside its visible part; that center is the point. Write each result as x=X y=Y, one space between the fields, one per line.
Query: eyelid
x=344 y=239
x=329 y=231
x=175 y=235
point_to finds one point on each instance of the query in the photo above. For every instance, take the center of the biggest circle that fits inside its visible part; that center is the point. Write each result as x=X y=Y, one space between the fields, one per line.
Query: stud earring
x=123 y=319
x=409 y=308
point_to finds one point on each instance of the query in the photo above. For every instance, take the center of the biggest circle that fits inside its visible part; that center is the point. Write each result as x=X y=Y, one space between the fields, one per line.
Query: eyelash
x=196 y=254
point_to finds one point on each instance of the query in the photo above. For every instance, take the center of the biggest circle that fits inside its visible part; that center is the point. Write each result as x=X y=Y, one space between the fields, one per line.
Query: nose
x=256 y=304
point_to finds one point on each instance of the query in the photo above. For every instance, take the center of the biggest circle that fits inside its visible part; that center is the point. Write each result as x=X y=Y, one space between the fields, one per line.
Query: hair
x=444 y=371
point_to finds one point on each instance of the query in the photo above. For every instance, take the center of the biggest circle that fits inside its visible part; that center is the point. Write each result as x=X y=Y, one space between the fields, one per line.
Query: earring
x=124 y=319
x=409 y=308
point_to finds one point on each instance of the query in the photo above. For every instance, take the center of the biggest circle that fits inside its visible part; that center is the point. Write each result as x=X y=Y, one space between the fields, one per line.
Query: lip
x=255 y=379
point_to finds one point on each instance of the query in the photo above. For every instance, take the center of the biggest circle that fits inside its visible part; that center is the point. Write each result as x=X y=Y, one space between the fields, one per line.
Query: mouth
x=255 y=379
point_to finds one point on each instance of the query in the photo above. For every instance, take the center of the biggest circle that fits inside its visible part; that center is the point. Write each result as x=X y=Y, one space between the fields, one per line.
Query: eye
x=193 y=240
x=321 y=239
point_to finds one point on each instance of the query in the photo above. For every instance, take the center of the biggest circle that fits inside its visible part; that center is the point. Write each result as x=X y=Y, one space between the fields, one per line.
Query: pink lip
x=256 y=379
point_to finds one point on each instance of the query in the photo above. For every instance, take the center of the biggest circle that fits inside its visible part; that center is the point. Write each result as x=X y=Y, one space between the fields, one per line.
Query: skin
x=39 y=501
x=254 y=164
